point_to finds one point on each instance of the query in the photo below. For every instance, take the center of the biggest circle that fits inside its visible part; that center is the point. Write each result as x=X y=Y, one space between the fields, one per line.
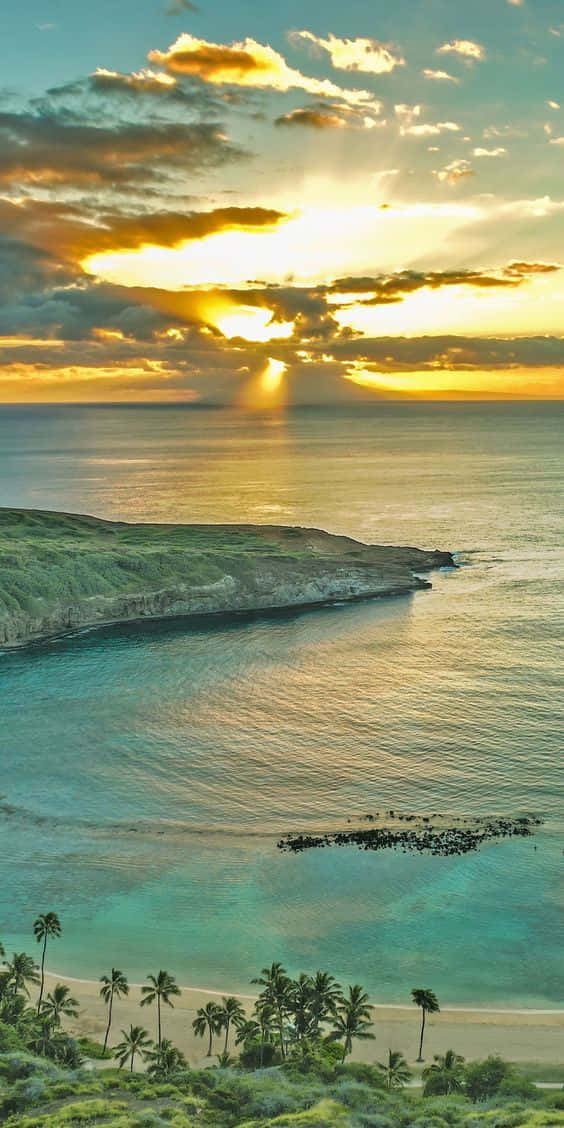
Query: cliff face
x=60 y=572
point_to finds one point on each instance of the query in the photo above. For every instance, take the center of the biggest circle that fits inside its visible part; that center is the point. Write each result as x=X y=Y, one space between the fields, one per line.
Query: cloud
x=175 y=7
x=429 y=129
x=525 y=268
x=387 y=289
x=51 y=148
x=366 y=55
x=144 y=80
x=454 y=172
x=312 y=118
x=67 y=233
x=407 y=112
x=329 y=116
x=249 y=63
x=410 y=125
x=121 y=232
x=440 y=75
x=453 y=352
x=466 y=49
x=478 y=152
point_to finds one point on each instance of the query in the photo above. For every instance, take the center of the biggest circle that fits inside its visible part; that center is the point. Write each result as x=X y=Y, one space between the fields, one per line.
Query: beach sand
x=518 y=1035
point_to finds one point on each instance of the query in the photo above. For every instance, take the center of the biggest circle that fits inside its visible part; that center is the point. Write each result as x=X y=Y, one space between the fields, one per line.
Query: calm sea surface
x=146 y=772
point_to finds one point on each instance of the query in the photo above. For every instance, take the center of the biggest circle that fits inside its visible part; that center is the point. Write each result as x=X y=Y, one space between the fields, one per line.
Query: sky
x=260 y=204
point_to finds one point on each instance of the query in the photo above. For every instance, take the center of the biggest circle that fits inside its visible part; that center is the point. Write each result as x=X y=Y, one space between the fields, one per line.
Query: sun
x=252 y=323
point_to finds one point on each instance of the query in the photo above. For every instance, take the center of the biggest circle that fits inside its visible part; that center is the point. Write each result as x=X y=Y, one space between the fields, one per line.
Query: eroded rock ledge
x=60 y=572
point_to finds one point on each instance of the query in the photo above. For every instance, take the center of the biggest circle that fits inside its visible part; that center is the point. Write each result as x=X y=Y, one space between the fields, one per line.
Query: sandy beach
x=518 y=1035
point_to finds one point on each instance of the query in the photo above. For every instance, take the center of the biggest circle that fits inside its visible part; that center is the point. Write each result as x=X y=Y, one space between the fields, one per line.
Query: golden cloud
x=248 y=63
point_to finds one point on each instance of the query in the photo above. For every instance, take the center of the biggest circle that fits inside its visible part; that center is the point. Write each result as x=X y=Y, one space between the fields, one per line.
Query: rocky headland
x=61 y=572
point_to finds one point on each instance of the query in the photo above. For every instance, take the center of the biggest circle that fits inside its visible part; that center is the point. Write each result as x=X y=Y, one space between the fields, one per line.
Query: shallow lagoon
x=147 y=772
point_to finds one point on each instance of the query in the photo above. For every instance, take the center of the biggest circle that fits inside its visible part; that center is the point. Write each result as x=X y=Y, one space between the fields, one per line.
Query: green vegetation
x=36 y=1094
x=60 y=571
x=291 y=1070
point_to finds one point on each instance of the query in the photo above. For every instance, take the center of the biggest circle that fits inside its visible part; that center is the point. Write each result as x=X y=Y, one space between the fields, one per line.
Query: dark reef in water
x=423 y=838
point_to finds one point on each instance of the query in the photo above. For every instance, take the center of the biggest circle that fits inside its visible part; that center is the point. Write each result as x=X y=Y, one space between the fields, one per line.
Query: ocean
x=147 y=771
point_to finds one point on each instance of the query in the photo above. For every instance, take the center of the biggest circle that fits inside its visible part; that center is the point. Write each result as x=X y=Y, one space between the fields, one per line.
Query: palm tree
x=277 y=984
x=41 y=1041
x=161 y=987
x=445 y=1075
x=247 y=1031
x=2 y=952
x=113 y=985
x=266 y=1015
x=352 y=1019
x=208 y=1020
x=232 y=1013
x=22 y=969
x=59 y=1002
x=46 y=925
x=135 y=1041
x=326 y=995
x=300 y=1004
x=396 y=1071
x=426 y=999
x=165 y=1059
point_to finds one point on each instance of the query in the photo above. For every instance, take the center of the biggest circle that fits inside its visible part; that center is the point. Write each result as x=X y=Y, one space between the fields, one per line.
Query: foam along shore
x=62 y=572
x=518 y=1035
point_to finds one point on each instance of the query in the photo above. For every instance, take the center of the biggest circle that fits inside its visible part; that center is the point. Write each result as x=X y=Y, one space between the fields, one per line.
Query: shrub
x=484 y=1078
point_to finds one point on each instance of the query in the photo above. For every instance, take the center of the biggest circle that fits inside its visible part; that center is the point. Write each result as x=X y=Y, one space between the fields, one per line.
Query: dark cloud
x=71 y=232
x=384 y=289
x=177 y=6
x=404 y=354
x=524 y=268
x=27 y=269
x=60 y=148
x=311 y=119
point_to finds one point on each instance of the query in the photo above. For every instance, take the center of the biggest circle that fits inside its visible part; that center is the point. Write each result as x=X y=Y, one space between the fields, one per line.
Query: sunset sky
x=256 y=204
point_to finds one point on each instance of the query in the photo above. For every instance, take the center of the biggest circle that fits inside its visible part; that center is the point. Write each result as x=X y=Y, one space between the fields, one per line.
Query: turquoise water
x=147 y=772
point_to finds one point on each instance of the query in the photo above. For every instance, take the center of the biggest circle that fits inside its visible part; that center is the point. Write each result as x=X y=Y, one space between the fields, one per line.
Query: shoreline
x=179 y=622
x=519 y=1035
x=486 y=1009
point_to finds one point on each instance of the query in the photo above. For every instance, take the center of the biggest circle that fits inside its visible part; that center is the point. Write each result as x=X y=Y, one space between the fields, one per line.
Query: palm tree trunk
x=209 y=1053
x=226 y=1036
x=159 y=1020
x=281 y=1032
x=109 y=1022
x=42 y=973
x=420 y=1058
x=131 y=1063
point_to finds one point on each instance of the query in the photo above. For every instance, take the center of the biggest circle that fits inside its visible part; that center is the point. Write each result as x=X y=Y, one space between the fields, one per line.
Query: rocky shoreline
x=60 y=572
